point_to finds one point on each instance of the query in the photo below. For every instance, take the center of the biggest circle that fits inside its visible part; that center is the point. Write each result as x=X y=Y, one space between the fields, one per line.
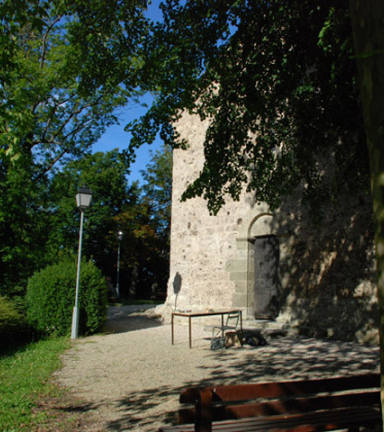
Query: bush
x=13 y=323
x=51 y=298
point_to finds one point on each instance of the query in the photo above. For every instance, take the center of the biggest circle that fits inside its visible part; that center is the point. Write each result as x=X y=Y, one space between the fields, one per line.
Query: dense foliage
x=106 y=175
x=157 y=196
x=278 y=82
x=51 y=296
x=368 y=34
x=65 y=69
x=14 y=328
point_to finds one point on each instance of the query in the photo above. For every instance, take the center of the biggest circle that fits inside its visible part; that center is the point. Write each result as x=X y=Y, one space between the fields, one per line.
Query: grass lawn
x=25 y=378
x=29 y=400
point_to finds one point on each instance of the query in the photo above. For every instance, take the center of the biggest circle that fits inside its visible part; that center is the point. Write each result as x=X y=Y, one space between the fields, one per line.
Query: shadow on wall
x=329 y=272
x=177 y=286
x=267 y=286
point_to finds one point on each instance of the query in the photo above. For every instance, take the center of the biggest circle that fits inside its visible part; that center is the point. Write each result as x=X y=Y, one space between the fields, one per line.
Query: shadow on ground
x=123 y=319
x=282 y=359
x=157 y=372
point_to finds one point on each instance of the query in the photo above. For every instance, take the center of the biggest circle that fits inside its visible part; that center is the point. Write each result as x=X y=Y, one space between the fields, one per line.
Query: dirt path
x=131 y=379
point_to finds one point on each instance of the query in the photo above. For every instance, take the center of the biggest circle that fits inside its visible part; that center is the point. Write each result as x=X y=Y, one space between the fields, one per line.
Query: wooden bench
x=302 y=406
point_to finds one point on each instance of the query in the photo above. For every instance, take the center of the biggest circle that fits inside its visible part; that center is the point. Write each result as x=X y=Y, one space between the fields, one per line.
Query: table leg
x=173 y=332
x=190 y=332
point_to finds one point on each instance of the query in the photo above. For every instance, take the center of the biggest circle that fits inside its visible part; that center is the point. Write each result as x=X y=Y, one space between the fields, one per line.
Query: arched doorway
x=263 y=267
x=266 y=276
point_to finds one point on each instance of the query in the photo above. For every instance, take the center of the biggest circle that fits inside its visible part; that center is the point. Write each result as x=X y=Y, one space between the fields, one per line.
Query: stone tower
x=272 y=265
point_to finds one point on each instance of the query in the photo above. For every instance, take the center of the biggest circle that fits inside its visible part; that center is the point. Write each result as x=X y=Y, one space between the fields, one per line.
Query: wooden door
x=267 y=257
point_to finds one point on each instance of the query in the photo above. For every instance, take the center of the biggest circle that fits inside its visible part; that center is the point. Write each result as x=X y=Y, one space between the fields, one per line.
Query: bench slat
x=267 y=408
x=318 y=421
x=303 y=405
x=294 y=406
x=276 y=389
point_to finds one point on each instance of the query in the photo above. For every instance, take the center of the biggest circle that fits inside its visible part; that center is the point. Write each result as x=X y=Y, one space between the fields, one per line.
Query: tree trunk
x=133 y=283
x=368 y=31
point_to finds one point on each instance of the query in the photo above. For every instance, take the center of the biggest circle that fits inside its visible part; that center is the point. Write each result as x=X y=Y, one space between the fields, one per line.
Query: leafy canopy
x=277 y=81
x=64 y=76
x=66 y=66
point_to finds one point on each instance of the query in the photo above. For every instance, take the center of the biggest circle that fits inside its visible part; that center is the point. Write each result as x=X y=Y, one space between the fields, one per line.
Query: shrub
x=51 y=298
x=13 y=323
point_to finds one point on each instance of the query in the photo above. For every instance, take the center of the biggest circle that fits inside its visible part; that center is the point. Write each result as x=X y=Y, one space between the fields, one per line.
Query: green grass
x=24 y=379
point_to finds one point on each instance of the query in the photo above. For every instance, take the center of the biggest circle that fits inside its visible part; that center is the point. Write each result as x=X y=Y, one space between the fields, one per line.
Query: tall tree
x=146 y=228
x=157 y=196
x=59 y=96
x=157 y=188
x=65 y=69
x=141 y=213
x=278 y=84
x=368 y=19
x=106 y=175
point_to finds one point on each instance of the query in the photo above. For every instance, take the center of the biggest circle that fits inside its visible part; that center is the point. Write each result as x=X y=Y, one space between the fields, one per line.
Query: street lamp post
x=119 y=238
x=83 y=200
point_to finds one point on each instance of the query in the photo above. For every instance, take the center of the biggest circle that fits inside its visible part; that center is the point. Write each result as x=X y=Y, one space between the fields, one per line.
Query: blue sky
x=116 y=137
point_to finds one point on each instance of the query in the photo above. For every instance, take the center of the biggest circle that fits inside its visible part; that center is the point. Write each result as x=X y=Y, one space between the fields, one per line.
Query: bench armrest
x=203 y=402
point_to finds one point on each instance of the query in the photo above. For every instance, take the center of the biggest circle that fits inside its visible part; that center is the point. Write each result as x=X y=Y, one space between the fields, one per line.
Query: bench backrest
x=287 y=388
x=266 y=399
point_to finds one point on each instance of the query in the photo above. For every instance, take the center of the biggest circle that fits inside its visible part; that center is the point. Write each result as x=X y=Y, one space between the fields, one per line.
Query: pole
x=75 y=316
x=118 y=269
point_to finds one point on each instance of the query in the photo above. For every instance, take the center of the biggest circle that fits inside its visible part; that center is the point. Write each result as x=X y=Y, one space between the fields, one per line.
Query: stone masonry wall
x=326 y=273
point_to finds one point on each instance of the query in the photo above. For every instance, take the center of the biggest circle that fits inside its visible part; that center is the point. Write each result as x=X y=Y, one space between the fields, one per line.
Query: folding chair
x=218 y=332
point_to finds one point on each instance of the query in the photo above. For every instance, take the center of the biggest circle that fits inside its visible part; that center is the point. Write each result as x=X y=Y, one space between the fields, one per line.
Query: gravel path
x=130 y=378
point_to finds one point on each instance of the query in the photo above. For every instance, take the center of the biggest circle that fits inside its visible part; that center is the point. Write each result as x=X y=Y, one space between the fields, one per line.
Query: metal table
x=191 y=315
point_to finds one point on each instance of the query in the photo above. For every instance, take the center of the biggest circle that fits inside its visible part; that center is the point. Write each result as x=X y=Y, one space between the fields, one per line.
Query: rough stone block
x=239 y=300
x=238 y=276
x=236 y=265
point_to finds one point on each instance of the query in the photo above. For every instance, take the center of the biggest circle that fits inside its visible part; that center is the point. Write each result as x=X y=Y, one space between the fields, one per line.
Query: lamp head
x=83 y=198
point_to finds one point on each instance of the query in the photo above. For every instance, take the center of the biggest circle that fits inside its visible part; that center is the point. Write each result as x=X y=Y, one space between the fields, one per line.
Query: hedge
x=51 y=298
